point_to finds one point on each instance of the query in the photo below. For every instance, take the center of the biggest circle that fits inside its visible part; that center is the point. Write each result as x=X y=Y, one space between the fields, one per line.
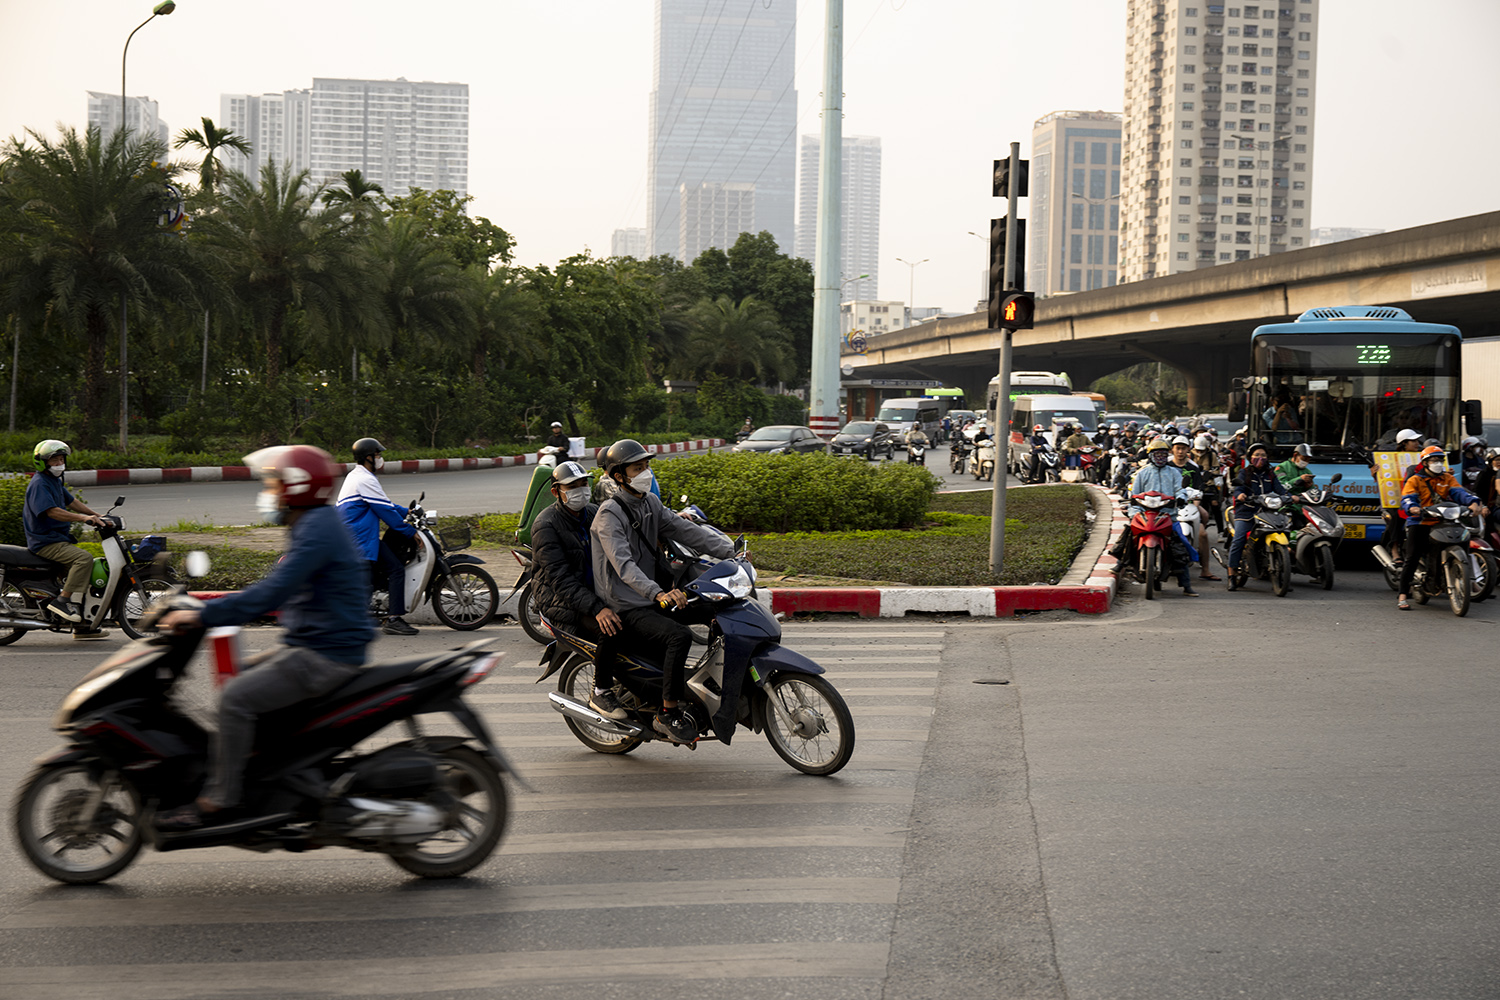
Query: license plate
x=1354 y=531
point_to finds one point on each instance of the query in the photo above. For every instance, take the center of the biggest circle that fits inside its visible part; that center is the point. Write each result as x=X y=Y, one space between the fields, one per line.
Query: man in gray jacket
x=627 y=534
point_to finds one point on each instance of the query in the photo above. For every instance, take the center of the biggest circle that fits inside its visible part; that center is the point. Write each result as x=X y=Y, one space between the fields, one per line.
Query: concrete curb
x=239 y=473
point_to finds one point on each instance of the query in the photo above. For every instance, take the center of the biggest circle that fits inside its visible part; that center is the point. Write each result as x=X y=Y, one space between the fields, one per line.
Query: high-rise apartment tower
x=142 y=116
x=723 y=112
x=1218 y=132
x=860 y=241
x=1073 y=232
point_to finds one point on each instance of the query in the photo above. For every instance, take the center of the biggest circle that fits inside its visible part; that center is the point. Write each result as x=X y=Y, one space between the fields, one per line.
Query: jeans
x=669 y=631
x=388 y=566
x=1237 y=547
x=290 y=675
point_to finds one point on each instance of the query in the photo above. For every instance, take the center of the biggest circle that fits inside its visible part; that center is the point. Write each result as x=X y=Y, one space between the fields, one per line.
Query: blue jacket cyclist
x=48 y=519
x=364 y=507
x=321 y=587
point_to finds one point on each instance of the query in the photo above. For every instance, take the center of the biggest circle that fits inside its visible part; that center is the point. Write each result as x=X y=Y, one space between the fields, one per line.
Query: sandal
x=1208 y=576
x=1403 y=605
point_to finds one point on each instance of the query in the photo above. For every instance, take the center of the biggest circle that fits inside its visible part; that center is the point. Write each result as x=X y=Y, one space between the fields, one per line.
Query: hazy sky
x=558 y=99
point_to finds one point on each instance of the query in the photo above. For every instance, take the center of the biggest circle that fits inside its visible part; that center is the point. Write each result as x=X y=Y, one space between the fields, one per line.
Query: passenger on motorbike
x=1487 y=486
x=321 y=587
x=1158 y=475
x=563 y=585
x=1394 y=539
x=47 y=519
x=1293 y=472
x=364 y=506
x=1105 y=439
x=1256 y=480
x=627 y=533
x=1194 y=477
x=1429 y=483
x=1472 y=450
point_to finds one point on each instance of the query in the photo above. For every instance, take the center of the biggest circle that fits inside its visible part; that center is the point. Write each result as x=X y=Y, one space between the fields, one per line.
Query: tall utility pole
x=823 y=399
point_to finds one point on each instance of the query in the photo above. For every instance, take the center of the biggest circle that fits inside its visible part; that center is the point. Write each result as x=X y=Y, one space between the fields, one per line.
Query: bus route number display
x=1372 y=354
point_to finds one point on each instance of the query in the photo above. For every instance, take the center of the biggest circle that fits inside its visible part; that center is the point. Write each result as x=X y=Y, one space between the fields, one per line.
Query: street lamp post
x=160 y=10
x=911 y=287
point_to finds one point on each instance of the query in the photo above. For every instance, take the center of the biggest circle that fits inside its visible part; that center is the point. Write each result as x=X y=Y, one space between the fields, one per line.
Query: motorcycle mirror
x=1336 y=477
x=119 y=501
x=197 y=564
x=422 y=497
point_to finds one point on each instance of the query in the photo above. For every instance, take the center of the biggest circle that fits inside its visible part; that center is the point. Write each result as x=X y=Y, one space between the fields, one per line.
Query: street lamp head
x=165 y=7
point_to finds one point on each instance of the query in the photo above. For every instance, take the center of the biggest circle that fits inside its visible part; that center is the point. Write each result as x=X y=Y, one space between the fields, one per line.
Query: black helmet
x=621 y=454
x=567 y=473
x=366 y=448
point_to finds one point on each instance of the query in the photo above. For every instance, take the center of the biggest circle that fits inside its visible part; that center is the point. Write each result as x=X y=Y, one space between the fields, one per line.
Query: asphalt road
x=479 y=491
x=1235 y=796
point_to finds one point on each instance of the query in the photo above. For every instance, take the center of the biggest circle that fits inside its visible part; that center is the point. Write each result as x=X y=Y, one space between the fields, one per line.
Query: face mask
x=268 y=505
x=642 y=483
x=576 y=499
x=1301 y=462
x=58 y=470
x=379 y=462
x=1159 y=457
x=1259 y=461
x=1435 y=465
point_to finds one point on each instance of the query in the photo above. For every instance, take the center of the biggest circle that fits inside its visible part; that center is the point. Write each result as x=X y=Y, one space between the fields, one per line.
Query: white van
x=1049 y=411
x=908 y=411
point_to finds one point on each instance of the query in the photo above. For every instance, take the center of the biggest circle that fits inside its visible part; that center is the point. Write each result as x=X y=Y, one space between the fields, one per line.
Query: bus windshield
x=1352 y=393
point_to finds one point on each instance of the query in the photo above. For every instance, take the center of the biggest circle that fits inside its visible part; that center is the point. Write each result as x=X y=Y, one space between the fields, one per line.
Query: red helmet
x=306 y=473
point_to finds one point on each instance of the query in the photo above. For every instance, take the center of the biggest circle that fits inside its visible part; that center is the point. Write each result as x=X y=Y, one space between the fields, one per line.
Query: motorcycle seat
x=377 y=675
x=17 y=555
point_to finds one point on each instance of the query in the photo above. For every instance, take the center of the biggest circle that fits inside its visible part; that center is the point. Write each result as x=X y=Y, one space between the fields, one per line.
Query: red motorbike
x=1151 y=530
x=1088 y=459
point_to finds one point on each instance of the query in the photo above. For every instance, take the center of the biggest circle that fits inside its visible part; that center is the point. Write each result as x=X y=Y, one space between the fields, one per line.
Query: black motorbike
x=436 y=805
x=958 y=458
x=1268 y=553
x=1445 y=567
x=1317 y=530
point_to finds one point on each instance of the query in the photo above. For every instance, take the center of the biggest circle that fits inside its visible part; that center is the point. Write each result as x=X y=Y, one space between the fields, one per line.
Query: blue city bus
x=1344 y=380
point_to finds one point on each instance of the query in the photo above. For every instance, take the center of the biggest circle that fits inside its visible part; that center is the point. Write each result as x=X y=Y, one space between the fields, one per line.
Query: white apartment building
x=860 y=238
x=142 y=116
x=871 y=316
x=1073 y=232
x=630 y=243
x=1218 y=138
x=1338 y=234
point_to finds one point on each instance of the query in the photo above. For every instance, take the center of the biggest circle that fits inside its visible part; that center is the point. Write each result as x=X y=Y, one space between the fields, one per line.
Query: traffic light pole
x=823 y=397
x=1000 y=433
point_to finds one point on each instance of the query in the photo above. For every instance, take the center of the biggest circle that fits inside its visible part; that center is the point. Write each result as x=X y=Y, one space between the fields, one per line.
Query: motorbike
x=435 y=805
x=982 y=460
x=550 y=455
x=463 y=596
x=1089 y=462
x=745 y=678
x=1122 y=468
x=1267 y=554
x=1446 y=567
x=118 y=589
x=1151 y=530
x=526 y=609
x=916 y=454
x=1316 y=532
x=958 y=459
x=1041 y=466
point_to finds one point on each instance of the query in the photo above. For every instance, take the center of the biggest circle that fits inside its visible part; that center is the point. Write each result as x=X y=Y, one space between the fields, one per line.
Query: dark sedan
x=778 y=439
x=869 y=438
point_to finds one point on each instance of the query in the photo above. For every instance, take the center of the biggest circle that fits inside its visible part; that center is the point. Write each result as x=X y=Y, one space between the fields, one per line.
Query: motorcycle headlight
x=1273 y=502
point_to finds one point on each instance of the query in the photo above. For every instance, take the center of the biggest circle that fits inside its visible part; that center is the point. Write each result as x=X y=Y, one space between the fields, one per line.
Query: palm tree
x=280 y=250
x=358 y=198
x=506 y=318
x=211 y=140
x=426 y=295
x=83 y=237
x=737 y=340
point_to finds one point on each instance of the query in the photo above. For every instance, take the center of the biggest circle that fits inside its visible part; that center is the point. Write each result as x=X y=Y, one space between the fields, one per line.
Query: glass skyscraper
x=723 y=112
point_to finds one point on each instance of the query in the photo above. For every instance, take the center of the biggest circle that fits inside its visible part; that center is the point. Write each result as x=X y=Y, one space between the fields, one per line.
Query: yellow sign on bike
x=1390 y=475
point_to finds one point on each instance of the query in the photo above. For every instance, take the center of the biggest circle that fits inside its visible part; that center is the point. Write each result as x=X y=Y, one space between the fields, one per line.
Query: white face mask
x=576 y=499
x=642 y=483
x=1435 y=465
x=379 y=462
x=58 y=470
x=268 y=505
x=1301 y=462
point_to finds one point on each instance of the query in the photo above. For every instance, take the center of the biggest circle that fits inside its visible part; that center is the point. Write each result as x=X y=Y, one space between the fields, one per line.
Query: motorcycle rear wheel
x=472 y=832
x=821 y=739
x=11 y=599
x=465 y=599
x=1150 y=556
x=1281 y=569
x=47 y=823
x=1459 y=578
x=577 y=681
x=1485 y=566
x=1325 y=567
x=531 y=618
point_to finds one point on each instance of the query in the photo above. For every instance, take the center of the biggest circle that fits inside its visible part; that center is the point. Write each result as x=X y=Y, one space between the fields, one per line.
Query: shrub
x=748 y=492
x=12 y=505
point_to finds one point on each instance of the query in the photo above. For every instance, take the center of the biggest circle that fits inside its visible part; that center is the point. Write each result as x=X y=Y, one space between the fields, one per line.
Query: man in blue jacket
x=48 y=519
x=364 y=507
x=320 y=586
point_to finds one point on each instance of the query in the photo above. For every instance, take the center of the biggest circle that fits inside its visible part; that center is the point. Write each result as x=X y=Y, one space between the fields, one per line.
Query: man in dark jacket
x=1256 y=480
x=562 y=553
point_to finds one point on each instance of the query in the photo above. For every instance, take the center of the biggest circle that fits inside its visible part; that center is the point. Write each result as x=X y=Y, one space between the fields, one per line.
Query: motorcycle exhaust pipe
x=1383 y=557
x=579 y=712
x=30 y=624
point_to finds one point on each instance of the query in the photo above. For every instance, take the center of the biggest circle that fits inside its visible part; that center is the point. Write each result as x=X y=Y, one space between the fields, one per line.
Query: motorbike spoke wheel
x=472 y=826
x=131 y=603
x=820 y=739
x=12 y=600
x=1149 y=557
x=1482 y=585
x=577 y=681
x=1457 y=572
x=531 y=616
x=51 y=829
x=465 y=599
x=1325 y=567
x=1281 y=569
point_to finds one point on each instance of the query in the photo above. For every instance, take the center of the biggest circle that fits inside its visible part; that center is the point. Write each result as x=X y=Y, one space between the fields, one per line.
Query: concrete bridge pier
x=1207 y=370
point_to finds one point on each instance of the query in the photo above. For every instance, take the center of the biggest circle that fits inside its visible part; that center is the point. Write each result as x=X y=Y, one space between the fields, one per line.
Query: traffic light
x=998 y=236
x=1017 y=311
x=1002 y=178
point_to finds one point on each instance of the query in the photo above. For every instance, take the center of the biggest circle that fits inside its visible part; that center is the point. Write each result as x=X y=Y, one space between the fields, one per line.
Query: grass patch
x=234 y=568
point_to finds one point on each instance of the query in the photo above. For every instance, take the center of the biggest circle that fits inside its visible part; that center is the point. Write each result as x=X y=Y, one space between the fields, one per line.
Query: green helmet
x=48 y=450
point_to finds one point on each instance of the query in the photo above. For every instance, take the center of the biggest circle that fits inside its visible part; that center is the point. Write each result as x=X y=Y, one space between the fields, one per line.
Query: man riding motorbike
x=1256 y=480
x=1073 y=445
x=1293 y=472
x=563 y=587
x=363 y=505
x=627 y=533
x=47 y=519
x=1158 y=475
x=557 y=439
x=1430 y=482
x=321 y=587
x=916 y=436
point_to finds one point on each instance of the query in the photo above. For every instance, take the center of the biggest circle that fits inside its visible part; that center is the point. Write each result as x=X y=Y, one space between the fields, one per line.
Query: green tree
x=81 y=218
x=428 y=299
x=737 y=339
x=442 y=215
x=210 y=140
x=358 y=199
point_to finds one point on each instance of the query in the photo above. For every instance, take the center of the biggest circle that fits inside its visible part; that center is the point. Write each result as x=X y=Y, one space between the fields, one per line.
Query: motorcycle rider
x=1195 y=477
x=1394 y=539
x=1293 y=472
x=1487 y=486
x=1255 y=480
x=321 y=587
x=1158 y=475
x=1472 y=450
x=1431 y=481
x=557 y=439
x=562 y=552
x=363 y=505
x=1073 y=445
x=1105 y=439
x=627 y=533
x=49 y=512
x=916 y=436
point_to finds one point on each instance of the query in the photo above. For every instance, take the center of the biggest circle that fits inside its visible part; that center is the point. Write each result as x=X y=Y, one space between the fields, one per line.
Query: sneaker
x=82 y=634
x=64 y=610
x=671 y=724
x=607 y=705
x=1189 y=592
x=397 y=626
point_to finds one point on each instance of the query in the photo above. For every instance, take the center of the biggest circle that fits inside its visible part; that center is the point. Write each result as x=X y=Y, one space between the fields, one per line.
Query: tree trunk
x=274 y=331
x=97 y=330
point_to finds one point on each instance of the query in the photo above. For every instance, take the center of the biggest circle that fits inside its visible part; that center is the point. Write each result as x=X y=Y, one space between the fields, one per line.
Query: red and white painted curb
x=233 y=473
x=977 y=602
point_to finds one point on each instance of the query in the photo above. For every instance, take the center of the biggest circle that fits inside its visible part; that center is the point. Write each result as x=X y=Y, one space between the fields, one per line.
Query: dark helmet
x=622 y=453
x=366 y=448
x=1254 y=445
x=568 y=473
x=306 y=473
x=47 y=450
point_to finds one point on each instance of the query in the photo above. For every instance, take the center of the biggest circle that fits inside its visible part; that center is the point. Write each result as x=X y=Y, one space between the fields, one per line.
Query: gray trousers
x=289 y=675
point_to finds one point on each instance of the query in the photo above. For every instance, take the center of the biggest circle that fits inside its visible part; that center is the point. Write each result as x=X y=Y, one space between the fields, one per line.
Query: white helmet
x=1203 y=443
x=1180 y=439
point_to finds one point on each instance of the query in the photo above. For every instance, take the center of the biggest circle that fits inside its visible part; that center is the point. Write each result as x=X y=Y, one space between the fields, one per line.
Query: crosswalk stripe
x=409 y=975
x=869 y=647
x=816 y=793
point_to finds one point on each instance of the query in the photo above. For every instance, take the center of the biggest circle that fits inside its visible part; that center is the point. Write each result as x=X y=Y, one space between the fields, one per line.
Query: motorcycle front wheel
x=474 y=822
x=820 y=737
x=56 y=838
x=1149 y=557
x=1281 y=569
x=132 y=601
x=577 y=681
x=465 y=599
x=531 y=618
x=12 y=599
x=1325 y=567
x=1459 y=577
